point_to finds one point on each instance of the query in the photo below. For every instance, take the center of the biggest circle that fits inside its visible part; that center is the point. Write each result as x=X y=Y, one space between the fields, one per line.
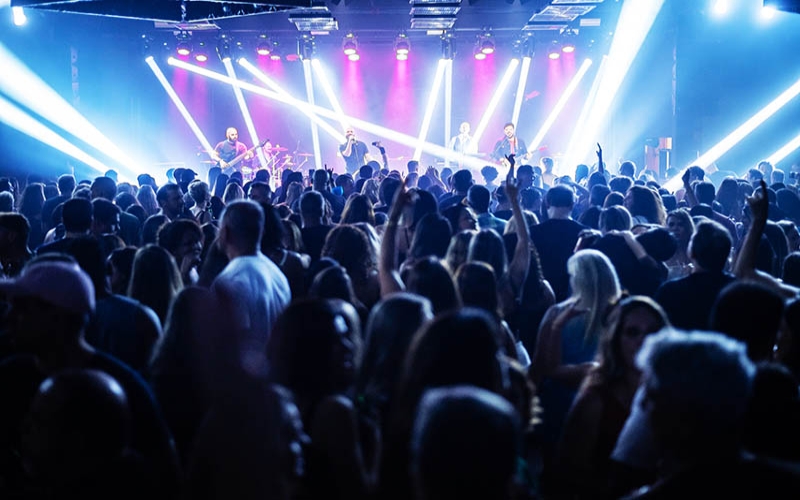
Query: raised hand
x=402 y=198
x=685 y=178
x=512 y=185
x=759 y=202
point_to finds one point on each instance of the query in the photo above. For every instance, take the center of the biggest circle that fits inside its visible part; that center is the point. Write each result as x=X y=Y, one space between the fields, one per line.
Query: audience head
x=241 y=228
x=710 y=246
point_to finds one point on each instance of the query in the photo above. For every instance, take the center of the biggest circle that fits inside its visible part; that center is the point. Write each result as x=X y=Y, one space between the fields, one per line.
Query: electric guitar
x=235 y=161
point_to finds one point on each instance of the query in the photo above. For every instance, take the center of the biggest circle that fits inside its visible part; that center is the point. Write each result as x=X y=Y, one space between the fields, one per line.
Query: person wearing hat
x=52 y=302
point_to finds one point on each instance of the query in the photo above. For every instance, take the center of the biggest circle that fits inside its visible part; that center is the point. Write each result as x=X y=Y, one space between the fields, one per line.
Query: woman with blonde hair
x=568 y=338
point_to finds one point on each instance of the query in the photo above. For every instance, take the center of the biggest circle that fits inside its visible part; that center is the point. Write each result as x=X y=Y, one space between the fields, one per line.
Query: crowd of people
x=401 y=335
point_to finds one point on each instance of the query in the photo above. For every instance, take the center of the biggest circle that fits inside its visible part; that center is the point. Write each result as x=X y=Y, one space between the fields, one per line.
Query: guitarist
x=229 y=149
x=510 y=145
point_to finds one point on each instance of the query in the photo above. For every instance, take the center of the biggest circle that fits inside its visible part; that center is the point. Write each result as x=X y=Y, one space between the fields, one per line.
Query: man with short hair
x=556 y=237
x=345 y=181
x=66 y=185
x=105 y=217
x=76 y=215
x=259 y=192
x=314 y=230
x=353 y=151
x=106 y=188
x=252 y=287
x=226 y=151
x=321 y=183
x=170 y=199
x=510 y=144
x=478 y=198
x=462 y=181
x=688 y=301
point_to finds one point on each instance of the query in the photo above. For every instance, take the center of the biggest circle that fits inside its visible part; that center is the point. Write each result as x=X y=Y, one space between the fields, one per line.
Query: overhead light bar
x=201 y=138
x=402 y=46
x=498 y=94
x=19 y=16
x=562 y=102
x=429 y=108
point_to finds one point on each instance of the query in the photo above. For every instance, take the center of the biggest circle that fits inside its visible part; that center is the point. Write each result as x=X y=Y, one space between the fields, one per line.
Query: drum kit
x=277 y=160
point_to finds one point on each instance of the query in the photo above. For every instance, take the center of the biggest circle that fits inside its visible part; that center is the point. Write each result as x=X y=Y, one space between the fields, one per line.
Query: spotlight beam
x=248 y=119
x=380 y=131
x=179 y=104
x=21 y=84
x=572 y=157
x=326 y=87
x=278 y=94
x=498 y=93
x=23 y=122
x=448 y=101
x=523 y=82
x=562 y=101
x=787 y=149
x=431 y=105
x=314 y=130
x=635 y=21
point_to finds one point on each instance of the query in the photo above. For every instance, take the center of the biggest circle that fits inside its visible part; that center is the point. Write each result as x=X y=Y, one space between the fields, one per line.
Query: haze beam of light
x=432 y=98
x=248 y=120
x=523 y=82
x=498 y=93
x=787 y=149
x=326 y=87
x=448 y=101
x=562 y=102
x=278 y=94
x=181 y=108
x=378 y=130
x=314 y=130
x=635 y=21
x=741 y=132
x=571 y=159
x=22 y=85
x=23 y=122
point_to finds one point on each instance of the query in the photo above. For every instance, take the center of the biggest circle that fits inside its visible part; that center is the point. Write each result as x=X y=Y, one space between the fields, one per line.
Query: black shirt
x=555 y=241
x=688 y=301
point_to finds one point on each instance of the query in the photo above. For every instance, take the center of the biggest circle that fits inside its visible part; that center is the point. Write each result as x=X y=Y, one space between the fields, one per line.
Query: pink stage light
x=480 y=56
x=263 y=51
x=201 y=58
x=402 y=57
x=274 y=57
x=354 y=56
x=554 y=55
x=184 y=51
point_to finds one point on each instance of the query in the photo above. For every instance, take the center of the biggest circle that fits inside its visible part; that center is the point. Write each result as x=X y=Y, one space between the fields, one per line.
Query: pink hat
x=61 y=284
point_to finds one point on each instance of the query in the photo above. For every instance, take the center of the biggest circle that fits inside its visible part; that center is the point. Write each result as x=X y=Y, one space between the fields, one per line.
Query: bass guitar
x=235 y=161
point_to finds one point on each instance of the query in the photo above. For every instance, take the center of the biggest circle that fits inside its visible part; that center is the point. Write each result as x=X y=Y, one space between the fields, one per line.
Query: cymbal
x=305 y=155
x=277 y=149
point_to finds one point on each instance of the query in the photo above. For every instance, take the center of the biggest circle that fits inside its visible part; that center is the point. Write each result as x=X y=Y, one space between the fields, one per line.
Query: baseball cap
x=60 y=284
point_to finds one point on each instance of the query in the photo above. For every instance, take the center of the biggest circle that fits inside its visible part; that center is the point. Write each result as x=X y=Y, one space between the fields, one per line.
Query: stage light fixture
x=354 y=57
x=554 y=52
x=486 y=43
x=568 y=41
x=306 y=47
x=720 y=7
x=478 y=54
x=184 y=45
x=201 y=53
x=402 y=46
x=448 y=46
x=19 y=16
x=264 y=46
x=350 y=45
x=767 y=12
x=224 y=47
x=146 y=46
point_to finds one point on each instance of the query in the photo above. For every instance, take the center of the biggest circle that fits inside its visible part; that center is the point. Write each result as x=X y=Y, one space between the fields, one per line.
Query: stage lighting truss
x=306 y=47
x=184 y=43
x=350 y=45
x=402 y=46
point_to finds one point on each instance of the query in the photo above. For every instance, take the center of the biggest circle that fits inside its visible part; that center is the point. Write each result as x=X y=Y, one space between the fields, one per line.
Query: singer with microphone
x=353 y=151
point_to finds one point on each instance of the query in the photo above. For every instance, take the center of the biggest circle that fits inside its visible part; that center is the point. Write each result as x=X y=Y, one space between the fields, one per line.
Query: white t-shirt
x=257 y=292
